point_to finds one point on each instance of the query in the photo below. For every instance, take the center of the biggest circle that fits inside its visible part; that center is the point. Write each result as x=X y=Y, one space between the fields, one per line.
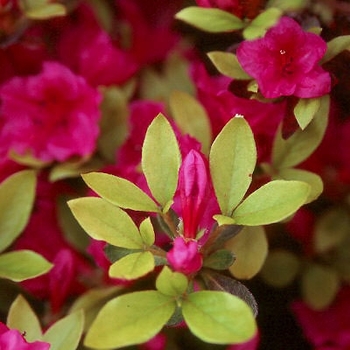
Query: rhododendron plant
x=174 y=174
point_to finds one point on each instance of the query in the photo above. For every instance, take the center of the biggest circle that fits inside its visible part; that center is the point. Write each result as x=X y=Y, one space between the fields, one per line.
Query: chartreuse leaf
x=250 y=249
x=42 y=9
x=120 y=192
x=132 y=266
x=227 y=64
x=319 y=286
x=17 y=194
x=298 y=147
x=218 y=317
x=281 y=268
x=232 y=161
x=335 y=47
x=21 y=265
x=224 y=220
x=305 y=110
x=147 y=232
x=331 y=229
x=66 y=333
x=191 y=118
x=210 y=19
x=171 y=283
x=161 y=160
x=130 y=319
x=261 y=23
x=271 y=203
x=314 y=180
x=287 y=5
x=22 y=317
x=92 y=301
x=106 y=222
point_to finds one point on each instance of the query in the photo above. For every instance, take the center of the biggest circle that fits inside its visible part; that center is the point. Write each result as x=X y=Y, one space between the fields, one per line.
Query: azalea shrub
x=174 y=174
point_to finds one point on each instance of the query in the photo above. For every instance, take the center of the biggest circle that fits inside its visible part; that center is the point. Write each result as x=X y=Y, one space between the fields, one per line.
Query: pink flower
x=11 y=339
x=193 y=184
x=53 y=115
x=184 y=257
x=327 y=329
x=285 y=61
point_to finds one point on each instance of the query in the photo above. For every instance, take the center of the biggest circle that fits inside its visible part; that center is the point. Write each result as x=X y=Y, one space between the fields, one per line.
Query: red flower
x=53 y=115
x=184 y=257
x=11 y=339
x=285 y=61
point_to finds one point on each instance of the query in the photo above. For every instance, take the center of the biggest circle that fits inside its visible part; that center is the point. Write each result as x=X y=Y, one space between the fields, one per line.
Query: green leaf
x=210 y=19
x=232 y=161
x=250 y=248
x=319 y=286
x=147 y=232
x=130 y=319
x=281 y=268
x=271 y=203
x=21 y=265
x=314 y=180
x=22 y=317
x=65 y=334
x=335 y=47
x=221 y=259
x=218 y=317
x=305 y=110
x=227 y=64
x=171 y=283
x=331 y=229
x=92 y=301
x=17 y=195
x=191 y=118
x=298 y=147
x=223 y=220
x=120 y=192
x=287 y=5
x=132 y=266
x=42 y=9
x=261 y=23
x=161 y=160
x=106 y=222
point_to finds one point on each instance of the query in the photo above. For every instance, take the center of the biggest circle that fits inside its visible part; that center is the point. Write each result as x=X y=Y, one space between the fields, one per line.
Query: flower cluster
x=154 y=156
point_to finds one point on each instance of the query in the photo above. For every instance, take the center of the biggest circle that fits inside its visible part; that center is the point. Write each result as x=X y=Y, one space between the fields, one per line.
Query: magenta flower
x=285 y=61
x=53 y=115
x=184 y=257
x=11 y=339
x=193 y=183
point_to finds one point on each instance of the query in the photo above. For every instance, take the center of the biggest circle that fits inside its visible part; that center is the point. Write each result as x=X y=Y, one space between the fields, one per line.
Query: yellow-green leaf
x=161 y=160
x=305 y=110
x=250 y=249
x=232 y=161
x=335 y=47
x=120 y=192
x=314 y=180
x=106 y=222
x=22 y=317
x=210 y=19
x=218 y=317
x=147 y=232
x=191 y=118
x=298 y=147
x=130 y=319
x=271 y=203
x=171 y=283
x=21 y=265
x=281 y=268
x=319 y=286
x=65 y=334
x=132 y=266
x=42 y=9
x=227 y=64
x=17 y=195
